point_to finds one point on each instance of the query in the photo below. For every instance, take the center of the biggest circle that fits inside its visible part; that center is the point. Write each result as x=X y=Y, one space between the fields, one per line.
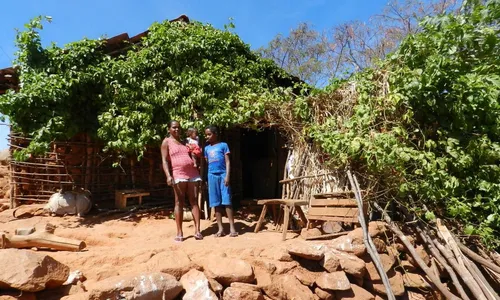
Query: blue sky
x=257 y=21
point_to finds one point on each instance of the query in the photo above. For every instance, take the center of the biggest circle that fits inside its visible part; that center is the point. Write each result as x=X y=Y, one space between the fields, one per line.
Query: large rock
x=414 y=296
x=387 y=262
x=30 y=271
x=331 y=227
x=232 y=293
x=143 y=286
x=323 y=295
x=288 y=287
x=350 y=264
x=262 y=276
x=377 y=228
x=349 y=244
x=395 y=280
x=82 y=296
x=175 y=263
x=278 y=253
x=197 y=287
x=355 y=293
x=330 y=261
x=422 y=253
x=283 y=267
x=241 y=285
x=307 y=250
x=313 y=232
x=416 y=281
x=380 y=245
x=336 y=281
x=215 y=286
x=305 y=276
x=266 y=264
x=407 y=266
x=374 y=229
x=227 y=270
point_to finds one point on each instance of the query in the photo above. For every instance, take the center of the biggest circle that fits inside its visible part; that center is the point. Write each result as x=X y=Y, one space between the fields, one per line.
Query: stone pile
x=298 y=269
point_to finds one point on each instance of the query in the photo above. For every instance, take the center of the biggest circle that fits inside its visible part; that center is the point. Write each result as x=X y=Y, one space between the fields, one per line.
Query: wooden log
x=461 y=270
x=435 y=252
x=495 y=256
x=475 y=257
x=42 y=239
x=481 y=280
x=436 y=281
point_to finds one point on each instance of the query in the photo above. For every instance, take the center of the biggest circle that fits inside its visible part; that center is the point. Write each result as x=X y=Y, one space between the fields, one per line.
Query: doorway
x=263 y=158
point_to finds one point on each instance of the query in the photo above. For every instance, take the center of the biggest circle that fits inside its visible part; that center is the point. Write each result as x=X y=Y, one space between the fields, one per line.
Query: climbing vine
x=426 y=123
x=187 y=71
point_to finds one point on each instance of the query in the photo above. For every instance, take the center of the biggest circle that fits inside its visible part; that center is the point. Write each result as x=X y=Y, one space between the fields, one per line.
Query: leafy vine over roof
x=192 y=72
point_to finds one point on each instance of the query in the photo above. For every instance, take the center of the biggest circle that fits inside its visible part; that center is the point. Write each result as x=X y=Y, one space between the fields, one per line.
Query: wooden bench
x=287 y=204
x=338 y=207
x=121 y=197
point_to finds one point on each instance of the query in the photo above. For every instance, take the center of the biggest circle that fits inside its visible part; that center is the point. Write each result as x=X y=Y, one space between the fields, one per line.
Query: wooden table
x=121 y=197
x=288 y=204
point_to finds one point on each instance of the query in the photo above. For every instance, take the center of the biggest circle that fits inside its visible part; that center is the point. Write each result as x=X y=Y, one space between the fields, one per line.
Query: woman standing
x=182 y=175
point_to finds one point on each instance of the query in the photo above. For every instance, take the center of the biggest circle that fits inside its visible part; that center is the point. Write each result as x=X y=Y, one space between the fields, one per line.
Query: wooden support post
x=261 y=218
x=285 y=221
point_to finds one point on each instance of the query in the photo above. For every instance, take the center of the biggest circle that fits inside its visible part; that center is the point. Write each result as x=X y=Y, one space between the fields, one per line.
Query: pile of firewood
x=455 y=270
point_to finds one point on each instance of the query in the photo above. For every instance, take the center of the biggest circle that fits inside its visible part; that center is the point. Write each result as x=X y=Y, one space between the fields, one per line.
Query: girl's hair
x=213 y=129
x=172 y=122
x=191 y=130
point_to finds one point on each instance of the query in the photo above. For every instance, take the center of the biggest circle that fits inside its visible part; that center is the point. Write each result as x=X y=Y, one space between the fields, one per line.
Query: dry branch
x=478 y=258
x=483 y=283
x=435 y=252
x=305 y=176
x=370 y=247
x=436 y=281
x=461 y=270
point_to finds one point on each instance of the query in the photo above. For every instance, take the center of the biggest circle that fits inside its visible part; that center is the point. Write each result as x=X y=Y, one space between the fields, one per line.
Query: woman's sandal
x=220 y=234
x=179 y=239
x=198 y=236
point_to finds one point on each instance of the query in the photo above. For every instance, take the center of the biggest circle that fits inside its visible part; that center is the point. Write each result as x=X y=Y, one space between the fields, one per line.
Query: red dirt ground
x=118 y=245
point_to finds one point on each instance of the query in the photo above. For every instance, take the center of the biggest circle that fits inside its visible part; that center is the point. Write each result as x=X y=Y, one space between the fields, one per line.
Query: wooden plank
x=126 y=196
x=326 y=236
x=288 y=202
x=353 y=219
x=333 y=202
x=333 y=211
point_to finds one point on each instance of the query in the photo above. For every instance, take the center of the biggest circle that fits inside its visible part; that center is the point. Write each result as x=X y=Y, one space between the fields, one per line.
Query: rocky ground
x=135 y=257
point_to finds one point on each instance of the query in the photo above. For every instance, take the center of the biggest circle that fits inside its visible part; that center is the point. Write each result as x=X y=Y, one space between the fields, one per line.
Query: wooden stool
x=288 y=204
x=121 y=197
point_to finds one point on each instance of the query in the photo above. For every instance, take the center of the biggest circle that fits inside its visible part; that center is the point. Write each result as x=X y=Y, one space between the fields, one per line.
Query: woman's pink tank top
x=182 y=164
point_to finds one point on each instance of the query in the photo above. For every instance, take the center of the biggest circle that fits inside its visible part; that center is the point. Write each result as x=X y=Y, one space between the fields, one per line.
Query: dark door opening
x=263 y=158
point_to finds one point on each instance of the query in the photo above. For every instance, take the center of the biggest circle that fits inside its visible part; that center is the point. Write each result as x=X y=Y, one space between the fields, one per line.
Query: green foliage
x=433 y=137
x=190 y=72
